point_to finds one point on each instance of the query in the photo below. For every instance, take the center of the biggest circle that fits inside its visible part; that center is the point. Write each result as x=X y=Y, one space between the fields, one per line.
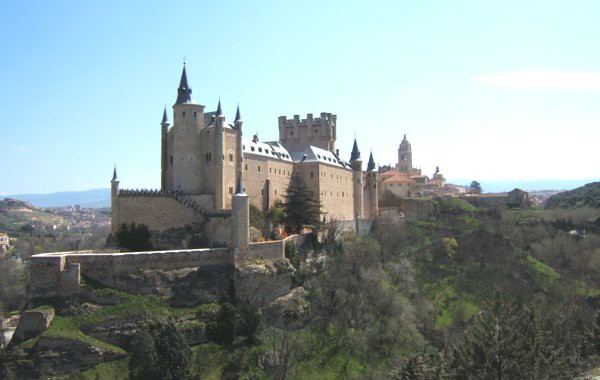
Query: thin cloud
x=18 y=148
x=545 y=80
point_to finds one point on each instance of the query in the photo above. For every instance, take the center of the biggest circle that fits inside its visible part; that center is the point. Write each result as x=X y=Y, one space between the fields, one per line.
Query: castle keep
x=203 y=155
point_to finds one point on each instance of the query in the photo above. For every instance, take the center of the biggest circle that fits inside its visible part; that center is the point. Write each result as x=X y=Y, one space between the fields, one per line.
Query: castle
x=203 y=156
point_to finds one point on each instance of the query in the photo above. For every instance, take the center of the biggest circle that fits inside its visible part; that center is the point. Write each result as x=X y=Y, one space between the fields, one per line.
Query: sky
x=486 y=90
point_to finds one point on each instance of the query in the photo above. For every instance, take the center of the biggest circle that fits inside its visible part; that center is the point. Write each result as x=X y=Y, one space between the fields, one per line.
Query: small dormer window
x=260 y=150
x=252 y=148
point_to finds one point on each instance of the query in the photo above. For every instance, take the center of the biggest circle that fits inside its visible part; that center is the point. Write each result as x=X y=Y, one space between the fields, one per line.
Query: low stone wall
x=57 y=274
x=267 y=250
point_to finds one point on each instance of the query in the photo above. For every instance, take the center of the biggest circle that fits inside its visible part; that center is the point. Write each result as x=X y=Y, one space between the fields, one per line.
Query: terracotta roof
x=399 y=178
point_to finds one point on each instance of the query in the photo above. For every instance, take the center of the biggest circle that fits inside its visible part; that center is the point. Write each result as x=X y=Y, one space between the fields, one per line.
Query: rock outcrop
x=33 y=323
x=263 y=280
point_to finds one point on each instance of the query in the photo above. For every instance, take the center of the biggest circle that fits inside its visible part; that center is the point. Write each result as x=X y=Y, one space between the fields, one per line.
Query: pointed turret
x=355 y=155
x=238 y=119
x=371 y=164
x=164 y=119
x=184 y=92
x=114 y=178
x=239 y=189
x=219 y=111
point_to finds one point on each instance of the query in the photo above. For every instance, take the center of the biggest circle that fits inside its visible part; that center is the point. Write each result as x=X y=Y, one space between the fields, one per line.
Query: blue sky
x=487 y=90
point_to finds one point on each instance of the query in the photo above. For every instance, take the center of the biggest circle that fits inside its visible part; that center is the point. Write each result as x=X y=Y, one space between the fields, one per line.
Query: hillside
x=88 y=198
x=415 y=296
x=585 y=196
x=15 y=214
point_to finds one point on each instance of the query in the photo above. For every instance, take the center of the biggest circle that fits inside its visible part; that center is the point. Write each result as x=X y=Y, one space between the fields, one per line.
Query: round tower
x=371 y=191
x=114 y=202
x=357 y=181
x=185 y=158
x=237 y=123
x=240 y=216
x=164 y=160
x=218 y=121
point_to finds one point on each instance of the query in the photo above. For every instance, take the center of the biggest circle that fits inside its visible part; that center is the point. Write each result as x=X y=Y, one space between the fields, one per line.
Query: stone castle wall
x=57 y=274
x=158 y=213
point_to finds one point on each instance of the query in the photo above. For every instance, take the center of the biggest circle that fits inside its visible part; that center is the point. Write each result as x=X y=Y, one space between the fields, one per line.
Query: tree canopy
x=302 y=208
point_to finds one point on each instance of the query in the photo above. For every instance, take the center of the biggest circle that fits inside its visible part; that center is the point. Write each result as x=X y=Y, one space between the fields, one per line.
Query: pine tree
x=302 y=209
x=491 y=347
x=159 y=352
x=143 y=355
x=221 y=328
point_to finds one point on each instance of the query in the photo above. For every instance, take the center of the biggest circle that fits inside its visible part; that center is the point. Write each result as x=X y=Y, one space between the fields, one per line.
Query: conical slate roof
x=184 y=92
x=371 y=164
x=355 y=155
x=164 y=119
x=238 y=116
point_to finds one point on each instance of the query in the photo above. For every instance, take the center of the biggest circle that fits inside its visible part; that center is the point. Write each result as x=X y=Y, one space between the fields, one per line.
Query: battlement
x=325 y=119
x=298 y=135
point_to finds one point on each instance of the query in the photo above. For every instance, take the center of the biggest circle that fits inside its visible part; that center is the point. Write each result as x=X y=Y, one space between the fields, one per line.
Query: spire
x=219 y=112
x=184 y=92
x=238 y=117
x=239 y=189
x=164 y=119
x=371 y=164
x=114 y=178
x=355 y=155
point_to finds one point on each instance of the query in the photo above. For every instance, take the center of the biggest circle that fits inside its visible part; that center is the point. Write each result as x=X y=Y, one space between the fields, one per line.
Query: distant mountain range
x=88 y=198
x=537 y=184
x=101 y=197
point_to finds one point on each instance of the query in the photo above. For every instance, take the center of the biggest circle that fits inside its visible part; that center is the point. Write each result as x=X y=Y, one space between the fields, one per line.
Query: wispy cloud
x=545 y=80
x=18 y=148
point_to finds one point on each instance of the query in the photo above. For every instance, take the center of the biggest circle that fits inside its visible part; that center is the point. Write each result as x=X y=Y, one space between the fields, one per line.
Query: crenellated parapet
x=298 y=134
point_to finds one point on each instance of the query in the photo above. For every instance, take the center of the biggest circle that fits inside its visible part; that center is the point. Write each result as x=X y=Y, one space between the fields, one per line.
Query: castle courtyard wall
x=158 y=213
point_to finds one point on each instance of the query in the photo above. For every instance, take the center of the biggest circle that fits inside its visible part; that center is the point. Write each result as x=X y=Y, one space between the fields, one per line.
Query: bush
x=222 y=326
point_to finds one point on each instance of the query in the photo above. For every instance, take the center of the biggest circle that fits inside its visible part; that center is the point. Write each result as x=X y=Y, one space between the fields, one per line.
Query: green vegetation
x=65 y=327
x=585 y=196
x=302 y=208
x=134 y=238
x=464 y=291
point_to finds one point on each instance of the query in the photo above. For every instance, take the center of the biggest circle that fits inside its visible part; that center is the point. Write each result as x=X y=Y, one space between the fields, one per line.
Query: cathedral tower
x=404 y=157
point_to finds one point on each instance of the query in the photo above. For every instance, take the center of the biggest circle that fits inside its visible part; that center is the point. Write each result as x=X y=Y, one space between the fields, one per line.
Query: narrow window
x=246 y=167
x=259 y=168
x=183 y=113
x=311 y=174
x=230 y=156
x=230 y=190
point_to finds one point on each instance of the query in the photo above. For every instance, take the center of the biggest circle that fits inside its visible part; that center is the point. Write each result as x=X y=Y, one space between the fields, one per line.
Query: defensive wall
x=162 y=210
x=59 y=274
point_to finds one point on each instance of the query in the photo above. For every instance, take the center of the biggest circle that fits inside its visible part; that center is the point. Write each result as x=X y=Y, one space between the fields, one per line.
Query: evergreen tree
x=302 y=209
x=221 y=328
x=143 y=356
x=159 y=352
x=134 y=238
x=172 y=352
x=491 y=347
